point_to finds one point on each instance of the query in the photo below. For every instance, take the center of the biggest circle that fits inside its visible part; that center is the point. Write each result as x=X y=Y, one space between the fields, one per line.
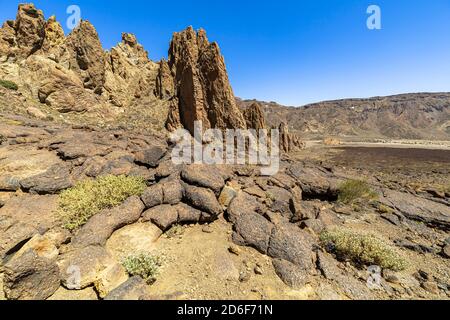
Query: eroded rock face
x=31 y=277
x=85 y=56
x=130 y=74
x=30 y=29
x=254 y=117
x=201 y=84
x=289 y=142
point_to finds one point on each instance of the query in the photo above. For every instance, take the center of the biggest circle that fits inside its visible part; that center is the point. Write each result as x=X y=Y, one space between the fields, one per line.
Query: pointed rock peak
x=30 y=29
x=129 y=39
x=254 y=116
x=54 y=34
x=30 y=10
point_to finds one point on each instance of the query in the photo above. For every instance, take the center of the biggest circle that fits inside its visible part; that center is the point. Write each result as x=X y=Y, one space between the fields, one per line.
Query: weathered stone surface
x=133 y=239
x=19 y=163
x=62 y=294
x=314 y=182
x=111 y=278
x=350 y=286
x=290 y=243
x=201 y=84
x=55 y=179
x=86 y=57
x=130 y=75
x=280 y=201
x=291 y=274
x=150 y=157
x=54 y=35
x=167 y=192
x=187 y=214
x=134 y=288
x=30 y=29
x=446 y=251
x=39 y=212
x=164 y=82
x=429 y=212
x=254 y=117
x=251 y=229
x=203 y=199
x=163 y=216
x=31 y=277
x=101 y=226
x=13 y=234
x=242 y=204
x=42 y=246
x=85 y=267
x=204 y=176
x=289 y=142
x=227 y=195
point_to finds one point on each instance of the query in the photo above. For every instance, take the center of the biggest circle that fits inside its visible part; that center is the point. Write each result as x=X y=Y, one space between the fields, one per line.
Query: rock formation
x=201 y=86
x=289 y=142
x=254 y=117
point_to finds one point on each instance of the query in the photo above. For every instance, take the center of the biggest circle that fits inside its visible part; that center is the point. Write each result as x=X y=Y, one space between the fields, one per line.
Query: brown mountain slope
x=407 y=116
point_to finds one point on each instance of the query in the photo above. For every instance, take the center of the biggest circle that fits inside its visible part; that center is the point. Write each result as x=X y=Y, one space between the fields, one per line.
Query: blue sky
x=291 y=51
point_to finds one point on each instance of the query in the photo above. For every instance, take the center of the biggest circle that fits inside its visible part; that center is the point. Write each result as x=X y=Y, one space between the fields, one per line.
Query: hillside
x=407 y=116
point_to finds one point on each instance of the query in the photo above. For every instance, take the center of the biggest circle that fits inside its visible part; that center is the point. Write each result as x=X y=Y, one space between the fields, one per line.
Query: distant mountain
x=406 y=116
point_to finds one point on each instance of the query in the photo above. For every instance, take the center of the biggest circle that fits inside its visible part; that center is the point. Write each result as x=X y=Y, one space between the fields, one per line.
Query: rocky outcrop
x=201 y=84
x=130 y=75
x=85 y=56
x=30 y=29
x=254 y=117
x=289 y=142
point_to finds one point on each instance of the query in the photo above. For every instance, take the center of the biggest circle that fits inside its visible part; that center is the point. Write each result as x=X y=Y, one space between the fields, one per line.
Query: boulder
x=251 y=229
x=291 y=274
x=31 y=277
x=55 y=179
x=204 y=176
x=134 y=288
x=150 y=157
x=163 y=216
x=81 y=268
x=133 y=239
x=101 y=226
x=203 y=199
x=289 y=242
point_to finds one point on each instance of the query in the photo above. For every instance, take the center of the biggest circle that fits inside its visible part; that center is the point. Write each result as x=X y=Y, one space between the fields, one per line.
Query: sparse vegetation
x=384 y=209
x=362 y=249
x=355 y=190
x=144 y=265
x=87 y=198
x=9 y=85
x=176 y=231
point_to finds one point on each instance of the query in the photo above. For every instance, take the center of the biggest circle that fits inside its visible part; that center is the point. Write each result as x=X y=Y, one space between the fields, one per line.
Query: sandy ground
x=198 y=265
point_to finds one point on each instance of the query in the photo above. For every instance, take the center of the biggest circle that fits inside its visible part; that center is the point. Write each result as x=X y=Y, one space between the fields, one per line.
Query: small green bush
x=362 y=249
x=176 y=231
x=89 y=197
x=144 y=265
x=9 y=85
x=353 y=190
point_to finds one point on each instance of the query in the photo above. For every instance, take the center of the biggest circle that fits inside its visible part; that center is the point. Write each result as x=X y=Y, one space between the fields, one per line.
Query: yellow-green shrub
x=88 y=197
x=353 y=190
x=144 y=265
x=9 y=85
x=366 y=249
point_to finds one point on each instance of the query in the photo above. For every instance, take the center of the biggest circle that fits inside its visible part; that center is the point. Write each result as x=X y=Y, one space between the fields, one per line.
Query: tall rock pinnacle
x=200 y=84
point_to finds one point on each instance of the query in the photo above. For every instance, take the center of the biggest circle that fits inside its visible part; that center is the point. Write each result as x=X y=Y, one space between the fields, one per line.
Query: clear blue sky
x=293 y=52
